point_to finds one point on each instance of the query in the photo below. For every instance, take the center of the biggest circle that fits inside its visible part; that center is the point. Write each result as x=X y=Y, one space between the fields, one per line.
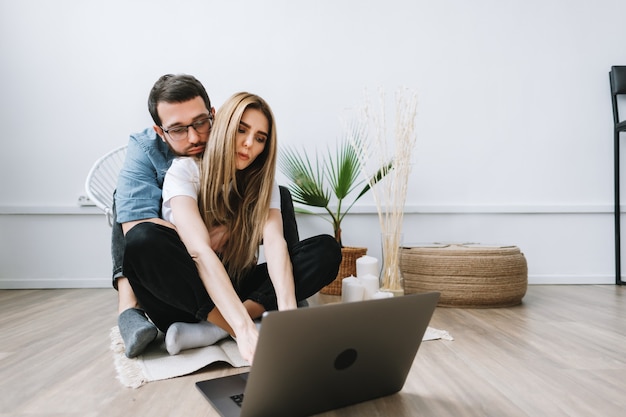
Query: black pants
x=167 y=284
x=290 y=230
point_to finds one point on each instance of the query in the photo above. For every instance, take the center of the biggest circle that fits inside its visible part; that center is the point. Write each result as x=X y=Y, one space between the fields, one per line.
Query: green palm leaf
x=343 y=171
x=340 y=170
x=307 y=180
x=379 y=175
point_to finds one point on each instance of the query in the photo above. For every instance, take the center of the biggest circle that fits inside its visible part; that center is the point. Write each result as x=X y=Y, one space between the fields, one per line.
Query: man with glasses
x=182 y=114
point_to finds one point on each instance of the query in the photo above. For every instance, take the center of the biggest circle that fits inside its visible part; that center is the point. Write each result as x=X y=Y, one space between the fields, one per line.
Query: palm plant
x=340 y=170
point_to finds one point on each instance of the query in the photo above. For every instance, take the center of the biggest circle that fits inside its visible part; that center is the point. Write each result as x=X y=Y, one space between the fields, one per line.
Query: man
x=183 y=103
x=183 y=116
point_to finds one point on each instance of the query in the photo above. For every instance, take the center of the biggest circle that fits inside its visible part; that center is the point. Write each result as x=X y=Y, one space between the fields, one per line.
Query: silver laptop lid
x=316 y=359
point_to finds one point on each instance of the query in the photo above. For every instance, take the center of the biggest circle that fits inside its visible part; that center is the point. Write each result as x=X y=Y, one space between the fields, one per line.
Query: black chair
x=617 y=78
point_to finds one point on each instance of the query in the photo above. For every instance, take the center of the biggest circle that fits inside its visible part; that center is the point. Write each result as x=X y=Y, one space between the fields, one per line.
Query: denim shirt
x=140 y=182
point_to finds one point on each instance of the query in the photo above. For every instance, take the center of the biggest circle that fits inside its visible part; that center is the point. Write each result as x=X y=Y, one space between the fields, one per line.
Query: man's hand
x=219 y=236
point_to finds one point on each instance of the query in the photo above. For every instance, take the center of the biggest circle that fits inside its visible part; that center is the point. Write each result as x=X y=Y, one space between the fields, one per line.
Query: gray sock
x=181 y=336
x=136 y=330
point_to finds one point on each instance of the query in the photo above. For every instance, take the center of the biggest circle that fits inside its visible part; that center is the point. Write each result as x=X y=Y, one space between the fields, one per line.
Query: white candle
x=354 y=292
x=346 y=281
x=367 y=265
x=351 y=290
x=382 y=294
x=348 y=292
x=371 y=285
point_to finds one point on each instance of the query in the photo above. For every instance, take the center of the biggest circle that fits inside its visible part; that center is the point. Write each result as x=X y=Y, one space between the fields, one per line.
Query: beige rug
x=156 y=364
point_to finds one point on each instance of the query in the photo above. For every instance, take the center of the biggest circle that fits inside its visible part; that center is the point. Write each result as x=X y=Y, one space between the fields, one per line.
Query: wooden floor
x=561 y=353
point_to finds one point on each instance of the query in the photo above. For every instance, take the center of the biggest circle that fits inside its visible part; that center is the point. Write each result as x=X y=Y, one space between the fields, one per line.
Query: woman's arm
x=195 y=236
x=278 y=261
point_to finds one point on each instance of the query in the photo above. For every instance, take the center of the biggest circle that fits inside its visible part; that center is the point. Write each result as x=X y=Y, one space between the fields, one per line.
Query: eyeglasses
x=201 y=127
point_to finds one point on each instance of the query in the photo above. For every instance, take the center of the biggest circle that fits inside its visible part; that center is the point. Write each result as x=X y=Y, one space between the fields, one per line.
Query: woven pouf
x=467 y=275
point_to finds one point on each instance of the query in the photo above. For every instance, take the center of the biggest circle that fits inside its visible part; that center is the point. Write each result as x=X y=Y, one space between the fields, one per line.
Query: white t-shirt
x=183 y=178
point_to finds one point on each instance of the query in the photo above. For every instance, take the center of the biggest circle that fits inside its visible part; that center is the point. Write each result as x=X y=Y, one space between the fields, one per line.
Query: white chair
x=102 y=180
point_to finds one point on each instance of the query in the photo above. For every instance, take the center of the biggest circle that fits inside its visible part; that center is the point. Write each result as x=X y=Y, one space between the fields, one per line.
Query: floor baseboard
x=53 y=283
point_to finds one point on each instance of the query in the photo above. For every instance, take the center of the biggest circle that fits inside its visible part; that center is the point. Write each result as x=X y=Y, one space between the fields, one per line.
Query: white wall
x=514 y=123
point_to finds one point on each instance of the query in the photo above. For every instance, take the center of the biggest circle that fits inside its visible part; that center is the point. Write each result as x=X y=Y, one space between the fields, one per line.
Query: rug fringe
x=129 y=372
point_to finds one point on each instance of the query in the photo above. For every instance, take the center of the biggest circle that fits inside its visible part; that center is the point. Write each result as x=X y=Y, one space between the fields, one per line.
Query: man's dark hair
x=177 y=88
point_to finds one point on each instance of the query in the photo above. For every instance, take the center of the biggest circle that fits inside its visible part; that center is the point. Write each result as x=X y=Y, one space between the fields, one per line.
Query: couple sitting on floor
x=195 y=198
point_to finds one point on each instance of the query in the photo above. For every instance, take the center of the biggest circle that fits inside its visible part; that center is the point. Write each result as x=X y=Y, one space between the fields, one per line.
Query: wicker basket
x=474 y=276
x=346 y=269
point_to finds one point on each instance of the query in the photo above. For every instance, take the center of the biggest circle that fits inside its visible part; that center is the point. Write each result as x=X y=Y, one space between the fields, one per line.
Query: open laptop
x=316 y=359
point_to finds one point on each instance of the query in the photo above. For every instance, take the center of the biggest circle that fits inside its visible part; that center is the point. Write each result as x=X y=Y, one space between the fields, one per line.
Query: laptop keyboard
x=238 y=399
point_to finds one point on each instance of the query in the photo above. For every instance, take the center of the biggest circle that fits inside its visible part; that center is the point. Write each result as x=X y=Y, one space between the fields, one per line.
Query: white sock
x=181 y=336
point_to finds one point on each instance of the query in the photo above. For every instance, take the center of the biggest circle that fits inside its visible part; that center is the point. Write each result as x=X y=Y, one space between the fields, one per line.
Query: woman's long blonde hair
x=239 y=200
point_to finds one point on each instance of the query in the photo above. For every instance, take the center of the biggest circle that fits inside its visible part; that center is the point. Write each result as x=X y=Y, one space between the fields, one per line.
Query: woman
x=231 y=188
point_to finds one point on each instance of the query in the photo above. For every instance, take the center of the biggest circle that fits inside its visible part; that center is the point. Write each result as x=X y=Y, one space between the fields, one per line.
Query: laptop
x=321 y=358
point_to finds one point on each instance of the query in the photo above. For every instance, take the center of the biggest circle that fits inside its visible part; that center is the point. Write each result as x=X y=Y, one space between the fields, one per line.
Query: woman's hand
x=246 y=342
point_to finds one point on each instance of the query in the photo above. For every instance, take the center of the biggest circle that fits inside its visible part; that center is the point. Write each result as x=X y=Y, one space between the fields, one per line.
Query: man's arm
x=140 y=181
